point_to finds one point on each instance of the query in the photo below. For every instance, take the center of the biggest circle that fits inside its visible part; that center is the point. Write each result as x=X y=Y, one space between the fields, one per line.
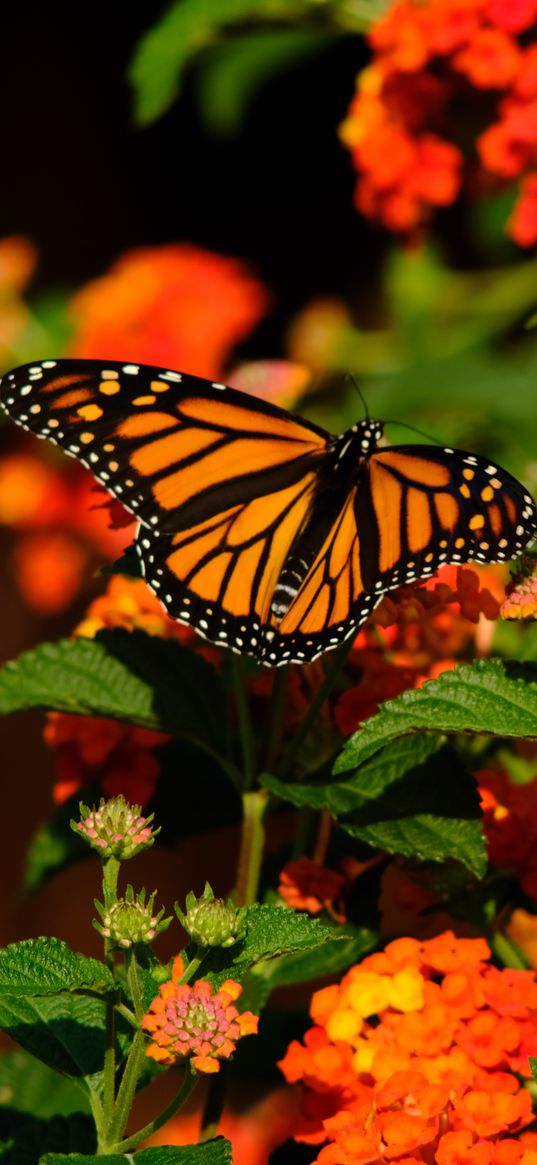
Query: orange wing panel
x=222 y=414
x=416 y=469
x=418 y=520
x=164 y=451
x=387 y=493
x=448 y=510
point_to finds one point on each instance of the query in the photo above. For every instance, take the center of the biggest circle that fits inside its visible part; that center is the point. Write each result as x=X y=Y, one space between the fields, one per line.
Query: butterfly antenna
x=360 y=393
x=413 y=429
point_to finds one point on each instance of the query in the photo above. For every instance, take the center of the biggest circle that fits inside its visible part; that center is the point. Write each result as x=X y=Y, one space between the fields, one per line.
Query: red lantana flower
x=430 y=59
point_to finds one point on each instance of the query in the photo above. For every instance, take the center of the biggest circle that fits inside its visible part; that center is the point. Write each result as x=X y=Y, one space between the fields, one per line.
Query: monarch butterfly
x=256 y=527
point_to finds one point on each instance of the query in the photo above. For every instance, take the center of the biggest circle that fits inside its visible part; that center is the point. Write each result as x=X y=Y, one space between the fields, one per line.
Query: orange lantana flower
x=177 y=306
x=196 y=1022
x=414 y=1047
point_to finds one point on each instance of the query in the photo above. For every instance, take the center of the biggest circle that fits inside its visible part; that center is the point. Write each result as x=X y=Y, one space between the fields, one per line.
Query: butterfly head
x=358 y=443
x=368 y=433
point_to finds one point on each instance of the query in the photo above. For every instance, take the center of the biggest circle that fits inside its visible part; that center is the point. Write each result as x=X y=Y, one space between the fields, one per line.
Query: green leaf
x=64 y=1031
x=270 y=931
x=533 y=1066
x=32 y=1087
x=494 y=697
x=124 y=675
x=54 y=846
x=414 y=798
x=239 y=68
x=28 y=1137
x=333 y=957
x=45 y=966
x=187 y=28
x=216 y=1152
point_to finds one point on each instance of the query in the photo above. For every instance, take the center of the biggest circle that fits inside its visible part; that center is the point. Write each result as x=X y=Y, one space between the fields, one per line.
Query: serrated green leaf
x=187 y=28
x=45 y=966
x=494 y=697
x=270 y=931
x=64 y=1031
x=30 y=1086
x=414 y=798
x=333 y=957
x=123 y=675
x=236 y=70
x=215 y=1152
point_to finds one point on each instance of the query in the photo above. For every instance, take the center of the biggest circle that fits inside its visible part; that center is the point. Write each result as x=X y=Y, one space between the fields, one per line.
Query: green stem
x=189 y=1082
x=245 y=721
x=110 y=880
x=251 y=850
x=194 y=965
x=275 y=716
x=332 y=673
x=508 y=953
x=119 y=1115
x=126 y=1091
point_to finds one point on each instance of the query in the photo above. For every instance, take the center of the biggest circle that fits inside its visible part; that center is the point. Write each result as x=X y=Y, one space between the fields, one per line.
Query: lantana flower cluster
x=419 y=1054
x=432 y=61
x=196 y=1022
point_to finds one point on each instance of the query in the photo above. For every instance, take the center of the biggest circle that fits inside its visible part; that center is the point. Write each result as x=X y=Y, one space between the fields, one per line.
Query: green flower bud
x=131 y=920
x=116 y=829
x=210 y=921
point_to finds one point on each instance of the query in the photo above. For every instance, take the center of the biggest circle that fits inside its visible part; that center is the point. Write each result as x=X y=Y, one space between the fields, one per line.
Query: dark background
x=85 y=183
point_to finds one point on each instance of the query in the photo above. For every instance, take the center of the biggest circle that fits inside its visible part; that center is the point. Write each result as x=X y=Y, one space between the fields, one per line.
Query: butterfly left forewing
x=175 y=449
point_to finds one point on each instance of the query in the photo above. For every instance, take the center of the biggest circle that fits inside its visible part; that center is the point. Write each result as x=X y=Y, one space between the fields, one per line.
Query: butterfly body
x=256 y=527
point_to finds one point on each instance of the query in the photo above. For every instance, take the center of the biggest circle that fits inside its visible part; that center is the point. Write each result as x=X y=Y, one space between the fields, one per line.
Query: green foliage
x=238 y=68
x=271 y=931
x=240 y=43
x=38 y=1090
x=216 y=1152
x=496 y=697
x=64 y=1031
x=26 y=1139
x=412 y=797
x=45 y=966
x=124 y=675
x=187 y=28
x=347 y=946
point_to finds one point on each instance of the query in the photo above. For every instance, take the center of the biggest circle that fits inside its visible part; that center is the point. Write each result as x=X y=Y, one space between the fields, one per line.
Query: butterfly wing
x=414 y=509
x=227 y=491
x=221 y=482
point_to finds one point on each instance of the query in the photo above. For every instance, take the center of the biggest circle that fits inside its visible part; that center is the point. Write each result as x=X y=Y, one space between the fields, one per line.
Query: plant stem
x=126 y=1092
x=189 y=1082
x=509 y=954
x=245 y=721
x=338 y=658
x=120 y=1113
x=251 y=849
x=110 y=880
